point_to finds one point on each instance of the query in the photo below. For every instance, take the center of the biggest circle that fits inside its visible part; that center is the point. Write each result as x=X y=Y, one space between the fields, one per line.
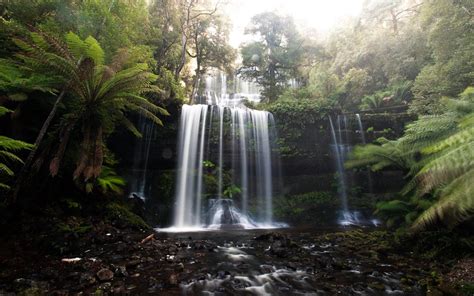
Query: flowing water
x=226 y=162
x=362 y=137
x=341 y=147
x=139 y=187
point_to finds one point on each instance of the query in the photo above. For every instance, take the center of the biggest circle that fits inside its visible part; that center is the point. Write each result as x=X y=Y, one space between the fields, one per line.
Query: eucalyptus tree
x=275 y=56
x=210 y=47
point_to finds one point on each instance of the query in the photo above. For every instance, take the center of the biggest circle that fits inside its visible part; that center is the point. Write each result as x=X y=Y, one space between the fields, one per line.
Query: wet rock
x=153 y=282
x=266 y=269
x=106 y=287
x=119 y=288
x=121 y=271
x=377 y=286
x=105 y=274
x=173 y=279
x=87 y=279
x=291 y=265
x=133 y=263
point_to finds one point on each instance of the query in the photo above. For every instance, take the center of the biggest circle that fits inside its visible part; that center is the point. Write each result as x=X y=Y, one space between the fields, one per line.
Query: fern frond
x=131 y=127
x=76 y=45
x=4 y=187
x=4 y=169
x=462 y=137
x=94 y=51
x=8 y=156
x=109 y=181
x=13 y=145
x=447 y=167
x=4 y=111
x=455 y=205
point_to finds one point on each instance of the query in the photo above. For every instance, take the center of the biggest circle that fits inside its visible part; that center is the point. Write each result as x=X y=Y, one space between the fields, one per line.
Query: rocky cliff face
x=307 y=161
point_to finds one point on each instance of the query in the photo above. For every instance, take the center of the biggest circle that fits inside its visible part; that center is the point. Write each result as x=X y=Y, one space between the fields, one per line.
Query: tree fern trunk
x=29 y=161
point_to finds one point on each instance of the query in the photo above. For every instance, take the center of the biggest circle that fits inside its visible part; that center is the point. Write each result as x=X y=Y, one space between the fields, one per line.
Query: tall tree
x=275 y=56
x=210 y=47
x=450 y=29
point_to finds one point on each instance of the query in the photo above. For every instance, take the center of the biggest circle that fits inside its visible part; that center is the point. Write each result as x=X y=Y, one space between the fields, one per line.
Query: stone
x=105 y=274
x=121 y=271
x=173 y=279
x=87 y=279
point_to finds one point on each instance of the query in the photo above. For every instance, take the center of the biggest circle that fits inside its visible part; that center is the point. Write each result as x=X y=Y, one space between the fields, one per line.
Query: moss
x=31 y=292
x=122 y=216
x=467 y=288
x=73 y=228
x=307 y=207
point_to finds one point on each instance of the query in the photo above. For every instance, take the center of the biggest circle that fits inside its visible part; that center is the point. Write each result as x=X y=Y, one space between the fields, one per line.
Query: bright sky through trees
x=321 y=15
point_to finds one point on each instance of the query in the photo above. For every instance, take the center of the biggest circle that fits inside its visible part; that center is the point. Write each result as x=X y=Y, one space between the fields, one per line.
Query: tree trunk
x=29 y=161
x=197 y=77
x=184 y=43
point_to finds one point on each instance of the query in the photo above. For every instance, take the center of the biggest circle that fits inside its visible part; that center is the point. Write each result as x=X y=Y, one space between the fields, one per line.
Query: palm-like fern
x=438 y=153
x=98 y=96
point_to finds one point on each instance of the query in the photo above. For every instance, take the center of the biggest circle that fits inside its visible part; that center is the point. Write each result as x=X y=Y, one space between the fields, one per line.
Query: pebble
x=105 y=274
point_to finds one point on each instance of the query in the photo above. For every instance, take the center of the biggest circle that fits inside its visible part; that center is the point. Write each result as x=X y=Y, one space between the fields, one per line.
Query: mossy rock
x=122 y=216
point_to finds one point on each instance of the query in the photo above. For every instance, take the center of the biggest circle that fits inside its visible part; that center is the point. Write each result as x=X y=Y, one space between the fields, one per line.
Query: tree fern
x=99 y=97
x=438 y=152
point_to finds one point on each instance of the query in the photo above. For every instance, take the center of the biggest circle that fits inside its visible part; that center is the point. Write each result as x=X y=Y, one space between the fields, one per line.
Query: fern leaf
x=4 y=111
x=455 y=205
x=94 y=51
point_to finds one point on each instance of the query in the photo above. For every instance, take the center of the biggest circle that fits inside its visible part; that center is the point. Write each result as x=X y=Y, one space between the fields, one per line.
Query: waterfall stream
x=362 y=136
x=341 y=147
x=139 y=187
x=226 y=162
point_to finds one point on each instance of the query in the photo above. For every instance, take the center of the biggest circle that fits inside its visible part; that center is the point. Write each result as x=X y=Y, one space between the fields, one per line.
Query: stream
x=293 y=262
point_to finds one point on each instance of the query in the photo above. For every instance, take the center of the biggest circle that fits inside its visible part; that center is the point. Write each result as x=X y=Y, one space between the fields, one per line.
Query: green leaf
x=18 y=97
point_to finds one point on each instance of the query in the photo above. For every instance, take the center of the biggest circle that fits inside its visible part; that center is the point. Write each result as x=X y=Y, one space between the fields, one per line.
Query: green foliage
x=99 y=95
x=108 y=183
x=296 y=115
x=275 y=58
x=8 y=157
x=397 y=95
x=294 y=207
x=437 y=153
x=231 y=191
x=208 y=164
x=451 y=38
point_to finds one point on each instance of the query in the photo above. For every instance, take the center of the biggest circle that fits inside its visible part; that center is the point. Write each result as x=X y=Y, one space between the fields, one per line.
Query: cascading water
x=362 y=137
x=341 y=146
x=138 y=186
x=225 y=175
x=338 y=150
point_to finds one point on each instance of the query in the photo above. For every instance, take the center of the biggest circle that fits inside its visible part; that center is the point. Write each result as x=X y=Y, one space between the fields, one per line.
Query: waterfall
x=253 y=131
x=338 y=150
x=361 y=129
x=221 y=147
x=191 y=140
x=138 y=185
x=341 y=146
x=362 y=137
